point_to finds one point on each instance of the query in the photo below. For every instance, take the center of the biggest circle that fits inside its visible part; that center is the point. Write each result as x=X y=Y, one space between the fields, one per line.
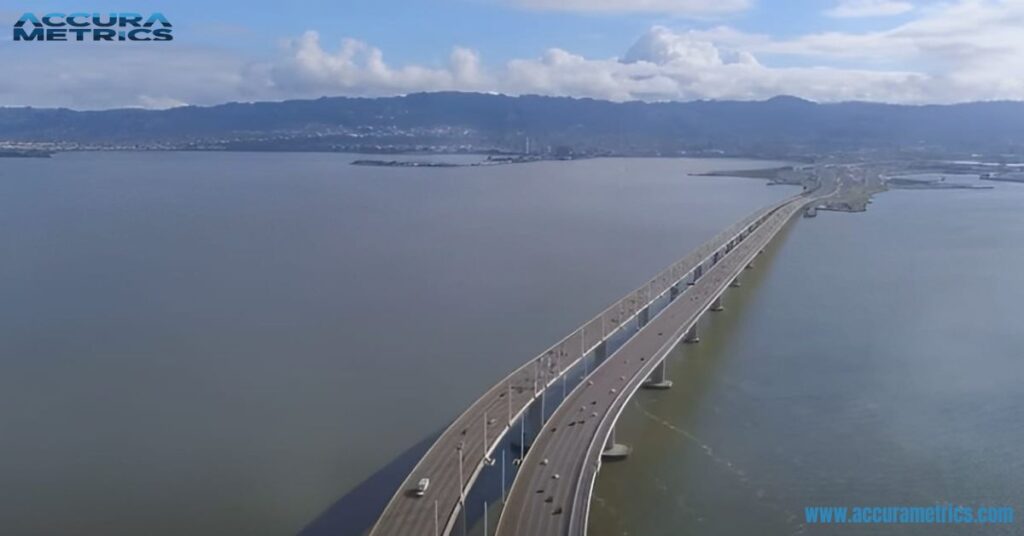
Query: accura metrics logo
x=93 y=27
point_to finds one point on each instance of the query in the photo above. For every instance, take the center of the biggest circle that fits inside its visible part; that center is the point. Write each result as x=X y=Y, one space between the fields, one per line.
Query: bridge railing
x=563 y=356
x=578 y=523
x=623 y=310
x=590 y=335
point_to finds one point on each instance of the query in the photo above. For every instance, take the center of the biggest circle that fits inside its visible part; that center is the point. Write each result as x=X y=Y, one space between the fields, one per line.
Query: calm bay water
x=213 y=344
x=871 y=359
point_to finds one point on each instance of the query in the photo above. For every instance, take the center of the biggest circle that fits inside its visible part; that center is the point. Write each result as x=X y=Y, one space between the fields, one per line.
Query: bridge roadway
x=551 y=494
x=477 y=431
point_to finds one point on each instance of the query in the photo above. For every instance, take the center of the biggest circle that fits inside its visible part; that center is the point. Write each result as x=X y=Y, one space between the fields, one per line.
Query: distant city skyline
x=897 y=51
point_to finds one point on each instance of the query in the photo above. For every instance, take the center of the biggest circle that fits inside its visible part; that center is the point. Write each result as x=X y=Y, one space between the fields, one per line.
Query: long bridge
x=545 y=427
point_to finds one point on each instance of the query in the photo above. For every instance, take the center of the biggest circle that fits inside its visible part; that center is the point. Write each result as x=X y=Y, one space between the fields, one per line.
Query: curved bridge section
x=551 y=495
x=668 y=305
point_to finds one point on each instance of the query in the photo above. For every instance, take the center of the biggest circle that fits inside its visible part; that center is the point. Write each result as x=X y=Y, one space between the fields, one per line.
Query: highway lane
x=505 y=402
x=551 y=494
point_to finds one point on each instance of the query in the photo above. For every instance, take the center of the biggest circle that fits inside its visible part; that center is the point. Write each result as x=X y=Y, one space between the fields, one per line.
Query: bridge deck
x=436 y=513
x=551 y=493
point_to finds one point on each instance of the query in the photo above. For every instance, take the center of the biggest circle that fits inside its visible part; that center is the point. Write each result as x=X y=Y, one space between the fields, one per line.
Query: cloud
x=664 y=65
x=981 y=36
x=160 y=103
x=869 y=8
x=676 y=7
x=663 y=46
x=661 y=65
x=953 y=52
x=359 y=69
x=95 y=75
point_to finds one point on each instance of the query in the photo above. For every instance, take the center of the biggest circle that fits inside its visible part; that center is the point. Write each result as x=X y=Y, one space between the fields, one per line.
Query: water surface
x=226 y=343
x=869 y=360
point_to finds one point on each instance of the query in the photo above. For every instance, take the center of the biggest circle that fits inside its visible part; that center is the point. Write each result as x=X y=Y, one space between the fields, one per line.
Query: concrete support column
x=714 y=259
x=600 y=354
x=657 y=379
x=717 y=304
x=735 y=283
x=697 y=273
x=613 y=450
x=532 y=424
x=673 y=292
x=643 y=316
x=691 y=336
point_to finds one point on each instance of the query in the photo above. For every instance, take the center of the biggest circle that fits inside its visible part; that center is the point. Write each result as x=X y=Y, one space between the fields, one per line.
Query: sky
x=897 y=51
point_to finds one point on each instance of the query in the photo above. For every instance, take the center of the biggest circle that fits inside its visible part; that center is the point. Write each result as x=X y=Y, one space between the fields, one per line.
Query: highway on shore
x=551 y=493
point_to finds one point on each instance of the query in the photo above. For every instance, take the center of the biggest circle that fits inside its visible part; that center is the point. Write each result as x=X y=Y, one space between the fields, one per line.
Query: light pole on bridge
x=462 y=492
x=536 y=372
x=462 y=487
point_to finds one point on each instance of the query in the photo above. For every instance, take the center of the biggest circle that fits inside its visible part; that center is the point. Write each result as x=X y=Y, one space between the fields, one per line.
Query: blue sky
x=887 y=50
x=424 y=31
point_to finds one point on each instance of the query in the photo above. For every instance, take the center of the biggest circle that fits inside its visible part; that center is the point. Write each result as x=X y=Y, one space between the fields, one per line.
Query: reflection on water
x=871 y=359
x=228 y=343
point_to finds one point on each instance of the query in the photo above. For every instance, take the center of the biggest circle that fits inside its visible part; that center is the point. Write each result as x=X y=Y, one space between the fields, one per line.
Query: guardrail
x=578 y=522
x=585 y=339
x=631 y=304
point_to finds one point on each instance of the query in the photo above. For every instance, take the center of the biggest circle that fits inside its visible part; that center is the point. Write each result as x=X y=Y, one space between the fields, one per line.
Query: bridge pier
x=735 y=283
x=673 y=291
x=717 y=304
x=691 y=335
x=657 y=379
x=600 y=353
x=643 y=316
x=697 y=272
x=613 y=450
x=447 y=504
x=531 y=425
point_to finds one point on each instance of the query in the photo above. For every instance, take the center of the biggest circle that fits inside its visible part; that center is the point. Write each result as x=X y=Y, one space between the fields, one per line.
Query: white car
x=421 y=487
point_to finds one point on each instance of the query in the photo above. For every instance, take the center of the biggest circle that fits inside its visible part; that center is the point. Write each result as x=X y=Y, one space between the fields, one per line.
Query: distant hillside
x=469 y=121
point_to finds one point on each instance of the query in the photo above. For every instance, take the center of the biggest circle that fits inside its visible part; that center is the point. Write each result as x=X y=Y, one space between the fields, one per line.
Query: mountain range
x=474 y=121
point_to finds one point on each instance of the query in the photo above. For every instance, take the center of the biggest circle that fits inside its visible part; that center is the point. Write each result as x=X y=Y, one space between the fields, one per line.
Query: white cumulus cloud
x=661 y=65
x=950 y=52
x=358 y=68
x=664 y=65
x=967 y=50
